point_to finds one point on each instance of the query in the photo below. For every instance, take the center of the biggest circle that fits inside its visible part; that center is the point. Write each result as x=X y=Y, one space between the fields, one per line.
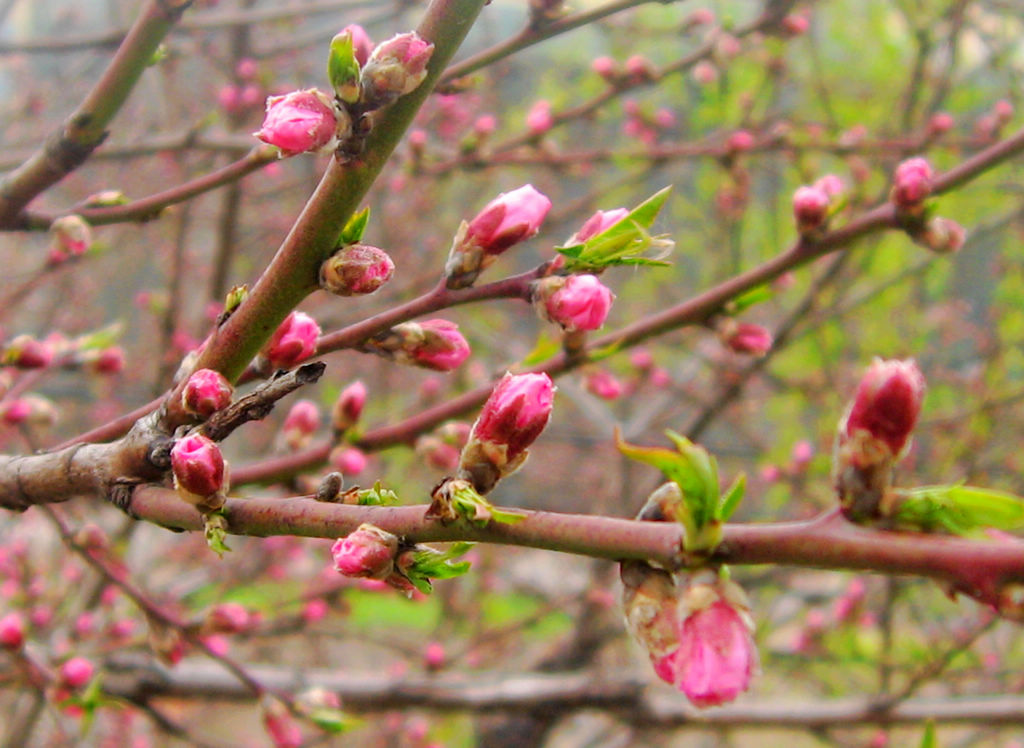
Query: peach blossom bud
x=200 y=472
x=299 y=122
x=1002 y=110
x=76 y=672
x=941 y=235
x=437 y=453
x=206 y=392
x=246 y=68
x=606 y=67
x=367 y=552
x=348 y=407
x=251 y=96
x=301 y=423
x=940 y=123
x=911 y=184
x=434 y=656
x=282 y=728
x=12 y=631
x=739 y=141
x=349 y=460
x=293 y=342
x=539 y=119
x=831 y=184
x=641 y=359
x=802 y=452
x=26 y=352
x=229 y=98
x=395 y=67
x=747 y=338
x=514 y=415
x=576 y=302
x=603 y=384
x=795 y=24
x=15 y=411
x=705 y=73
x=315 y=610
x=71 y=236
x=361 y=43
x=109 y=360
x=485 y=124
x=227 y=618
x=887 y=403
x=639 y=67
x=600 y=221
x=701 y=17
x=810 y=208
x=441 y=346
x=664 y=118
x=356 y=270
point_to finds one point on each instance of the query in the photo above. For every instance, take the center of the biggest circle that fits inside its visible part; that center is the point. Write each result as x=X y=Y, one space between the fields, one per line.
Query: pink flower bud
x=200 y=473
x=485 y=124
x=701 y=17
x=395 y=68
x=603 y=384
x=795 y=24
x=12 y=631
x=605 y=67
x=349 y=406
x=515 y=414
x=301 y=423
x=911 y=184
x=639 y=67
x=206 y=392
x=717 y=657
x=1002 y=110
x=251 y=96
x=739 y=141
x=705 y=73
x=293 y=342
x=315 y=610
x=434 y=655
x=227 y=618
x=356 y=270
x=349 y=460
x=887 y=403
x=576 y=302
x=72 y=236
x=641 y=359
x=367 y=552
x=299 y=122
x=109 y=360
x=28 y=353
x=282 y=728
x=76 y=672
x=229 y=98
x=510 y=218
x=441 y=347
x=539 y=119
x=940 y=123
x=747 y=338
x=437 y=453
x=600 y=221
x=831 y=185
x=361 y=43
x=810 y=208
x=802 y=453
x=246 y=68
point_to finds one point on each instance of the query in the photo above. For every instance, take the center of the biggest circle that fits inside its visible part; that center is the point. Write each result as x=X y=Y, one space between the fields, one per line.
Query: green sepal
x=751 y=298
x=622 y=243
x=957 y=509
x=929 y=738
x=376 y=496
x=469 y=504
x=343 y=68
x=333 y=720
x=431 y=563
x=215 y=529
x=355 y=228
x=102 y=338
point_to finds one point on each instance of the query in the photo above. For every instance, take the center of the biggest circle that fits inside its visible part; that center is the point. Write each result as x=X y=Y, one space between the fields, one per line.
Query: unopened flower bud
x=293 y=342
x=29 y=409
x=348 y=407
x=576 y=302
x=739 y=141
x=639 y=68
x=299 y=122
x=539 y=119
x=109 y=360
x=12 y=631
x=887 y=403
x=795 y=24
x=911 y=184
x=717 y=657
x=606 y=67
x=72 y=236
x=200 y=472
x=597 y=223
x=941 y=235
x=433 y=344
x=206 y=392
x=831 y=184
x=510 y=218
x=227 y=618
x=343 y=67
x=300 y=424
x=26 y=352
x=705 y=73
x=356 y=270
x=438 y=453
x=810 y=208
x=514 y=415
x=282 y=728
x=603 y=384
x=745 y=338
x=396 y=67
x=650 y=603
x=351 y=461
x=76 y=672
x=368 y=552
x=361 y=42
x=940 y=123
